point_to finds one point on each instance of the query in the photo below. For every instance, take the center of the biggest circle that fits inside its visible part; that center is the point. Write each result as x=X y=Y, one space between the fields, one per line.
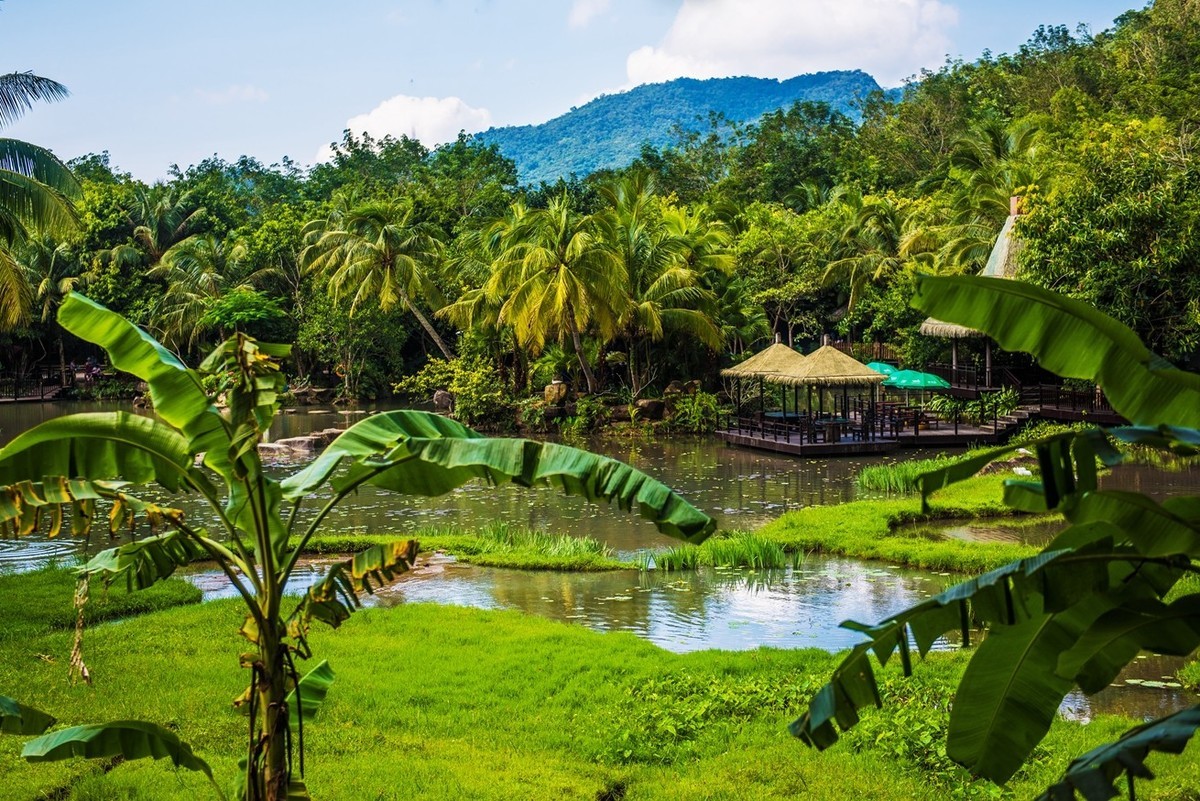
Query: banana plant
x=1078 y=612
x=194 y=446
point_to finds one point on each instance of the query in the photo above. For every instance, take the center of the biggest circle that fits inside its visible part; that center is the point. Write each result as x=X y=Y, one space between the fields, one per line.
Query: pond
x=742 y=488
x=727 y=609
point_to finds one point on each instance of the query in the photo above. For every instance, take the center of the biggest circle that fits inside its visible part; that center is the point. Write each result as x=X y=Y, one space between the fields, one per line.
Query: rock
x=443 y=402
x=691 y=387
x=648 y=409
x=674 y=388
x=272 y=449
x=303 y=444
x=556 y=393
x=327 y=435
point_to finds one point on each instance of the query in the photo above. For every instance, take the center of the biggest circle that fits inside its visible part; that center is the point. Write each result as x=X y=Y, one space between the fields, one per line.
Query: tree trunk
x=62 y=364
x=429 y=329
x=577 y=341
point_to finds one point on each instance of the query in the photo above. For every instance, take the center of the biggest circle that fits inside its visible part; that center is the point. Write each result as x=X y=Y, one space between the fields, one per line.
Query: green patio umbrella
x=911 y=379
x=882 y=367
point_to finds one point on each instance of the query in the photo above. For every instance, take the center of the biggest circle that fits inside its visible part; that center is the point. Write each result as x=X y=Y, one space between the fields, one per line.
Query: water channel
x=729 y=609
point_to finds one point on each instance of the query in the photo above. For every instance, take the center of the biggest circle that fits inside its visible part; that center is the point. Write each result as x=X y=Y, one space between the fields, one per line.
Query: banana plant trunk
x=269 y=769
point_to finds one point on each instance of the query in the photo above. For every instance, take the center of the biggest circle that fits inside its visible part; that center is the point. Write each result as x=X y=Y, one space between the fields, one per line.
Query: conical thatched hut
x=1002 y=263
x=777 y=360
x=829 y=367
x=769 y=366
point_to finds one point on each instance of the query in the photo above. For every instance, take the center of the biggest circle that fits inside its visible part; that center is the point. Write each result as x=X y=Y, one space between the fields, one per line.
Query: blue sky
x=157 y=82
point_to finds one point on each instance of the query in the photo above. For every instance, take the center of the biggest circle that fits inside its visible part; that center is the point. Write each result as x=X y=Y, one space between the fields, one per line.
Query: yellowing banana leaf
x=145 y=561
x=1069 y=338
x=334 y=598
x=98 y=446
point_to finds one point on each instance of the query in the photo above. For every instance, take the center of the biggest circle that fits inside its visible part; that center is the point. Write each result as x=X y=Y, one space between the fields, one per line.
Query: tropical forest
x=814 y=439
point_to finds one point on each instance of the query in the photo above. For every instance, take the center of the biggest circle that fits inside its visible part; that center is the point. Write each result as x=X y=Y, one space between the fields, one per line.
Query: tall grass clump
x=901 y=477
x=735 y=549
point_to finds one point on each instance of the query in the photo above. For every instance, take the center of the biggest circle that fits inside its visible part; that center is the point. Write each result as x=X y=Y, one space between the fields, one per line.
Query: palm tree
x=51 y=272
x=664 y=252
x=559 y=278
x=375 y=252
x=870 y=243
x=162 y=218
x=35 y=192
x=198 y=272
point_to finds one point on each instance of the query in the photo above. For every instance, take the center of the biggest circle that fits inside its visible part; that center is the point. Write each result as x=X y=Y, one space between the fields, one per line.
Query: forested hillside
x=609 y=132
x=805 y=223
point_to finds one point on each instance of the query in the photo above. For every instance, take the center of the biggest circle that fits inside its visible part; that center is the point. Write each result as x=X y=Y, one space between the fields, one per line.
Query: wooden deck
x=781 y=442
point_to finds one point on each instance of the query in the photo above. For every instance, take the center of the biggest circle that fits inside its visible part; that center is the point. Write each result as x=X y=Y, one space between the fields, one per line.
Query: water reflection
x=729 y=609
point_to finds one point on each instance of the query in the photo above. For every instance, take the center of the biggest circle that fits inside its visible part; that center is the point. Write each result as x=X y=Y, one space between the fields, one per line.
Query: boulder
x=648 y=409
x=556 y=393
x=270 y=449
x=674 y=388
x=443 y=402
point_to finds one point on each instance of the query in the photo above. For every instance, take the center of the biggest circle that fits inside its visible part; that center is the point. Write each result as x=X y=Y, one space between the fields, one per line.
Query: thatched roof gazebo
x=1001 y=263
x=829 y=367
x=777 y=360
x=771 y=366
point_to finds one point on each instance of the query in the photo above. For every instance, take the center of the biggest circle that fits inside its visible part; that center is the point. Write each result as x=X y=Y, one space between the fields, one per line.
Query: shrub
x=697 y=413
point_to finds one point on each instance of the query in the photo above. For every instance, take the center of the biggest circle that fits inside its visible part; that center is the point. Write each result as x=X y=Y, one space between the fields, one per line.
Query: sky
x=163 y=82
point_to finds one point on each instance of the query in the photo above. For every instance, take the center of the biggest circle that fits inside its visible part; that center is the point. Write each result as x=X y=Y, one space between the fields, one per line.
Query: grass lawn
x=436 y=702
x=873 y=529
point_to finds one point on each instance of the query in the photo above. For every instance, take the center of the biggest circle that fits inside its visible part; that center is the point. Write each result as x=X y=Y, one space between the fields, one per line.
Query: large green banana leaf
x=100 y=446
x=131 y=739
x=424 y=454
x=175 y=390
x=1094 y=775
x=1070 y=339
x=16 y=718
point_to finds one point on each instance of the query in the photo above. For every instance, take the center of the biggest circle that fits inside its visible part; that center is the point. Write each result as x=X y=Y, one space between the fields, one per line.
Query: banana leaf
x=1070 y=339
x=129 y=739
x=16 y=718
x=424 y=454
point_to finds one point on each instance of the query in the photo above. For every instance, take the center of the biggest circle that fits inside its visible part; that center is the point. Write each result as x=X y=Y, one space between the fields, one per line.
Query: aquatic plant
x=733 y=549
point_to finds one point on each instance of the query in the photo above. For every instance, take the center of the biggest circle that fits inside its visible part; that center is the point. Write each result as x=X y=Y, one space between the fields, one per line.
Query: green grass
x=726 y=549
x=448 y=703
x=496 y=545
x=871 y=529
x=901 y=477
x=45 y=600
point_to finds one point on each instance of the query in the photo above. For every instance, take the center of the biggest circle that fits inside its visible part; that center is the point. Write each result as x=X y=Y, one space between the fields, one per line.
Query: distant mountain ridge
x=608 y=132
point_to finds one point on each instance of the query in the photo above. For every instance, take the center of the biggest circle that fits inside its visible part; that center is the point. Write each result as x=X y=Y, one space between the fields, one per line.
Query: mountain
x=609 y=131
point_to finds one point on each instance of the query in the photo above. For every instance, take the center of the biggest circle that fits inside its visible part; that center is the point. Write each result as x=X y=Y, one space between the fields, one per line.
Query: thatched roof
x=1002 y=263
x=777 y=360
x=828 y=366
x=936 y=328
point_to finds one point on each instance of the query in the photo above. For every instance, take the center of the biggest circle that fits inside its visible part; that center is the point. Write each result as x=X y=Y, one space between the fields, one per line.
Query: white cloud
x=237 y=93
x=890 y=39
x=431 y=120
x=584 y=11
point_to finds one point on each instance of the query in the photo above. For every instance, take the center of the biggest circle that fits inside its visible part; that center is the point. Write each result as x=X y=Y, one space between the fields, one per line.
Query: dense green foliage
x=805 y=221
